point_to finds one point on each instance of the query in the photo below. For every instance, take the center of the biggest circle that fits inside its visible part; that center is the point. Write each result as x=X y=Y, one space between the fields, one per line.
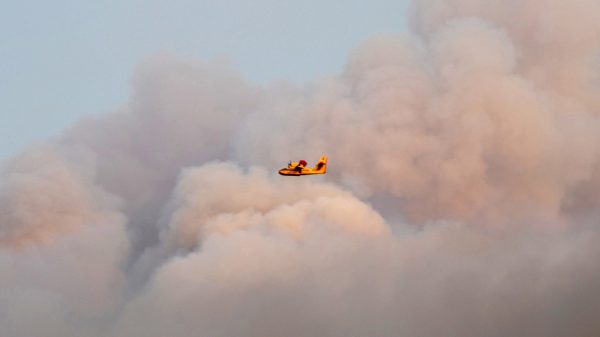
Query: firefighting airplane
x=300 y=169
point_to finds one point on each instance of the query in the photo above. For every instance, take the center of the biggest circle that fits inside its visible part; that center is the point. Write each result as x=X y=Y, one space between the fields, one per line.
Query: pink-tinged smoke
x=462 y=196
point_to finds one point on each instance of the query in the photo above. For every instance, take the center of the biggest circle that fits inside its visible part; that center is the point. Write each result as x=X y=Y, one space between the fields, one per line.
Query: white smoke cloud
x=462 y=195
x=47 y=191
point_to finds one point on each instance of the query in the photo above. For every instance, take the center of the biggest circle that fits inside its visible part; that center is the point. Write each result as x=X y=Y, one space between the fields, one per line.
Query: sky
x=62 y=60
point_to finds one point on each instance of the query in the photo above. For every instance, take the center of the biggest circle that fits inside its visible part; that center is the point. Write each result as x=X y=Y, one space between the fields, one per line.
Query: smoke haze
x=462 y=196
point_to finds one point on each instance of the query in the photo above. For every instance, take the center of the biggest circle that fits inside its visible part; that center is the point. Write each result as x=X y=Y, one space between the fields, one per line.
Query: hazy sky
x=64 y=59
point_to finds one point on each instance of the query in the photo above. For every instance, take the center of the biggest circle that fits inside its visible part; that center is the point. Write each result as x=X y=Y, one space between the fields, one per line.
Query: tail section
x=322 y=165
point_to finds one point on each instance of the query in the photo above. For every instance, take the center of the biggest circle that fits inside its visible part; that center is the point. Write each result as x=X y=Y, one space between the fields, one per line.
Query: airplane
x=300 y=169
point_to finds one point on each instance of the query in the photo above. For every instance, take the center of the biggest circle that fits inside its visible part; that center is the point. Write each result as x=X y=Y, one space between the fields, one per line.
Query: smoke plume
x=462 y=196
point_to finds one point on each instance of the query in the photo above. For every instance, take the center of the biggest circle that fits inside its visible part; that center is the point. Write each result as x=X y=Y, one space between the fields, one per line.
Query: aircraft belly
x=286 y=172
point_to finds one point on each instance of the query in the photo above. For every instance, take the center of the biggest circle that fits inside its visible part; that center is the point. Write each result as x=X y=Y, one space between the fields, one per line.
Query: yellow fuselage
x=295 y=169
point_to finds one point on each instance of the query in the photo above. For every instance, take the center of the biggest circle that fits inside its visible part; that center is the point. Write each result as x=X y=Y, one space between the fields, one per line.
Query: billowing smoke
x=462 y=196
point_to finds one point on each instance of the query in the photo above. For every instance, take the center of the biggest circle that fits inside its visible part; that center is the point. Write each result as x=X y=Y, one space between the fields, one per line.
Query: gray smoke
x=462 y=196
